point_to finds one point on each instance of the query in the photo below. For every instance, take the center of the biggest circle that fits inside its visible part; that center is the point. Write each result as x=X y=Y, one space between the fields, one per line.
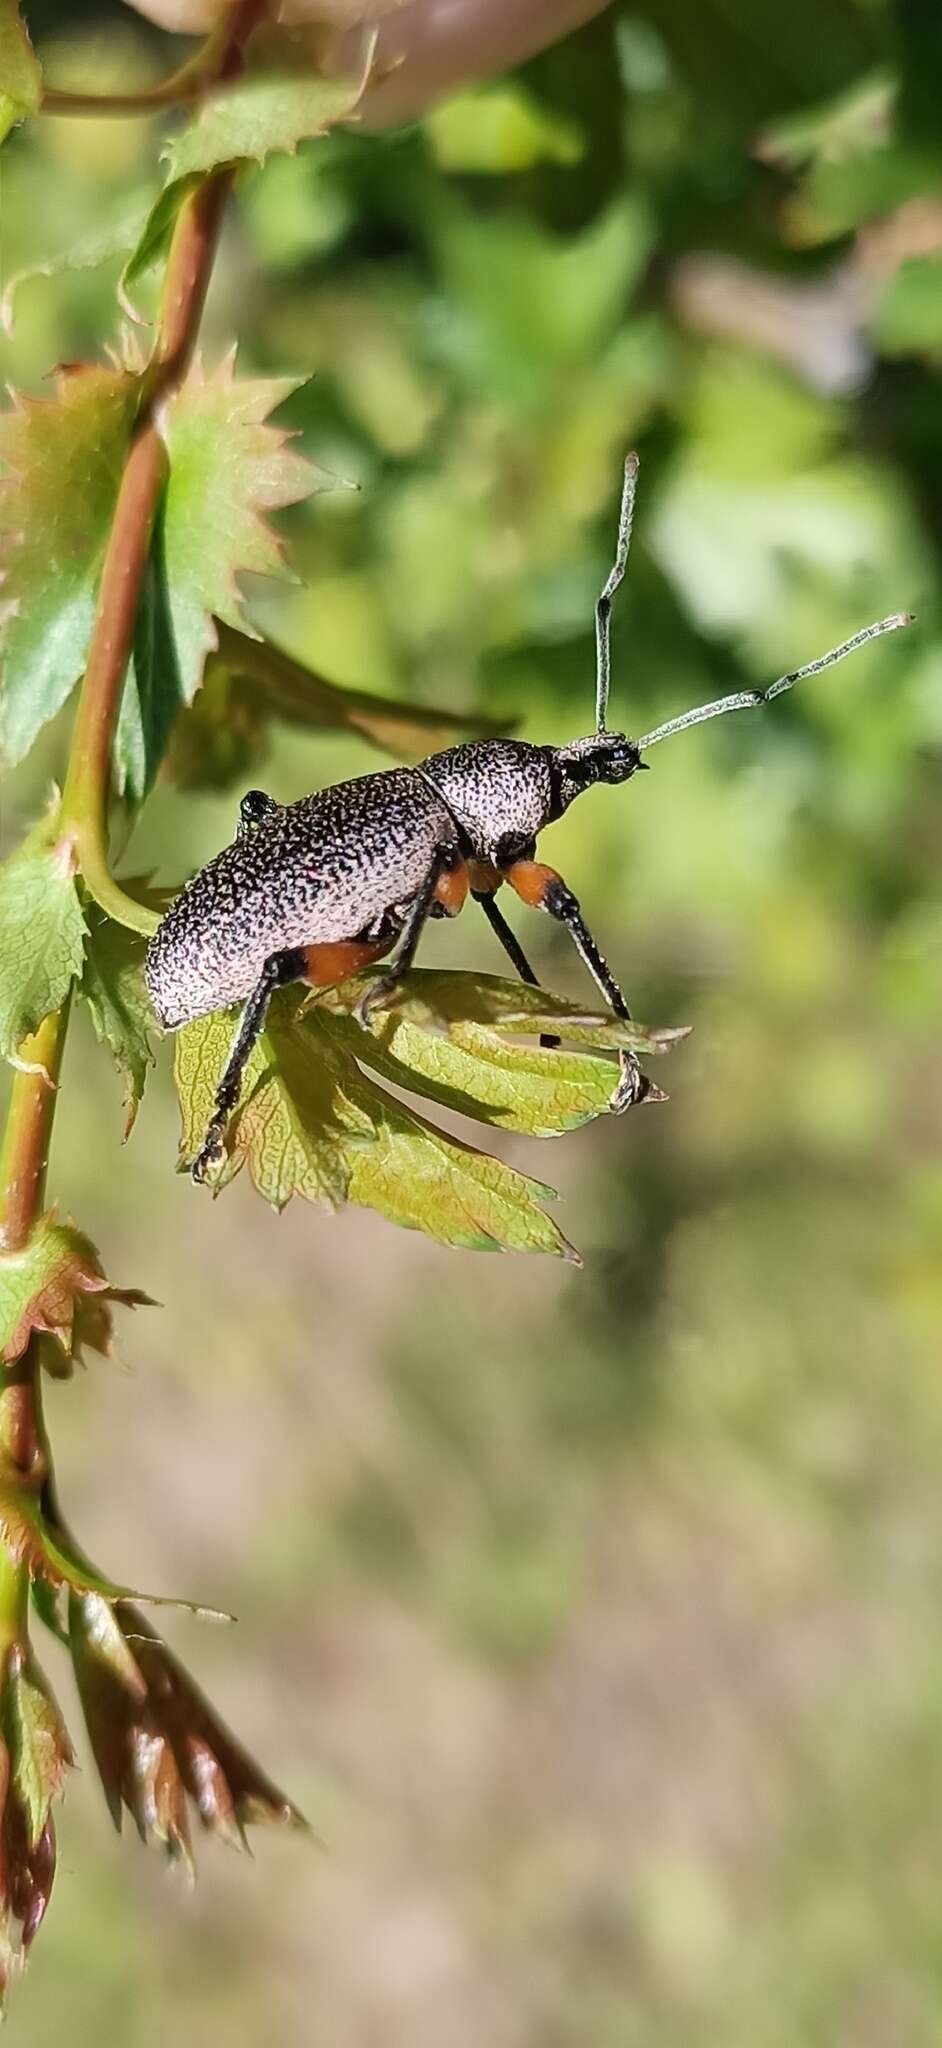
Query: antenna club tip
x=632 y=462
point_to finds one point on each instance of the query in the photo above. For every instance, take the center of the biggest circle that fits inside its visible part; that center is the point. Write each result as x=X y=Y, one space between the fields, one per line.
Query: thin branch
x=88 y=779
x=172 y=92
x=190 y=82
x=25 y=1146
x=189 y=267
x=24 y=1157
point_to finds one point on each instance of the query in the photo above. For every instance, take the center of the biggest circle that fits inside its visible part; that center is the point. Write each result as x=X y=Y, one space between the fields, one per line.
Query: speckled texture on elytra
x=329 y=866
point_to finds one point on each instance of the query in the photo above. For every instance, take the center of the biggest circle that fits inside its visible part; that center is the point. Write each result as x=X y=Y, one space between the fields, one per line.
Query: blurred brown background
x=593 y=1618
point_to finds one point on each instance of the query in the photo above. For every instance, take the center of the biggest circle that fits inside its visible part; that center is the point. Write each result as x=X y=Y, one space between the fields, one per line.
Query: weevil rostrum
x=313 y=890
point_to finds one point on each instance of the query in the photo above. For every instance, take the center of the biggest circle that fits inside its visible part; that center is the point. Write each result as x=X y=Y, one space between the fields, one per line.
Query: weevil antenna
x=604 y=607
x=746 y=700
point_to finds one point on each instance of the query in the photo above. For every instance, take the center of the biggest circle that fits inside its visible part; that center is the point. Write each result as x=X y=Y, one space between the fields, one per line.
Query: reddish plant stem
x=85 y=797
x=189 y=268
x=23 y=1160
x=28 y=1130
x=25 y=1150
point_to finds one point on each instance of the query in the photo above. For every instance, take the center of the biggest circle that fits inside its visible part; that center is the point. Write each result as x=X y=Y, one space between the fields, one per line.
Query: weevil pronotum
x=311 y=891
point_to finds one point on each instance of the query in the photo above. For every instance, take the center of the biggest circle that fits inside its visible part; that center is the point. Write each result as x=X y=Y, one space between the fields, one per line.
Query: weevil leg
x=255 y=805
x=278 y=969
x=545 y=890
x=512 y=947
x=378 y=992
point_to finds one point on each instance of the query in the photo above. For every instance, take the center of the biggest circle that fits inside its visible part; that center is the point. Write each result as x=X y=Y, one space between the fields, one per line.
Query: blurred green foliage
x=601 y=1610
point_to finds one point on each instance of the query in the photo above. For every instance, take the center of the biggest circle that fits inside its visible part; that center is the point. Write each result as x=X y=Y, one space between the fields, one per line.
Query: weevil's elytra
x=313 y=889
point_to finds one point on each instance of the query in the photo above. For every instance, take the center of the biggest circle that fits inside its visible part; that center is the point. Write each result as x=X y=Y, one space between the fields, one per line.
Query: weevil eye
x=619 y=760
x=602 y=757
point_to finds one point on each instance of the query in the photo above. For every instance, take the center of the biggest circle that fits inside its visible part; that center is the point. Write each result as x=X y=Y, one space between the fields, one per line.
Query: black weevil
x=316 y=889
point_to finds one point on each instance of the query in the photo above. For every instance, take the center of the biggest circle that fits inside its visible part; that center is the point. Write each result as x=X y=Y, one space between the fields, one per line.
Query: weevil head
x=600 y=757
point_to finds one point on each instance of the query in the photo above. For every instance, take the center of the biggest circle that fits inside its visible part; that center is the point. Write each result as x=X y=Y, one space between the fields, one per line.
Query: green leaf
x=219 y=739
x=857 y=120
x=42 y=1287
x=528 y=303
x=228 y=468
x=433 y=997
x=61 y=460
x=279 y=101
x=102 y=244
x=113 y=987
x=424 y=1181
x=247 y=682
x=312 y=1124
x=288 y=1133
x=41 y=933
x=522 y=1088
x=906 y=320
x=37 y=1741
x=499 y=129
x=154 y=239
x=153 y=692
x=21 y=79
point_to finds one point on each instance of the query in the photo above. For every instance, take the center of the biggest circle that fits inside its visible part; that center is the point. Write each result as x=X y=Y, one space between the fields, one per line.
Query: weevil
x=314 y=890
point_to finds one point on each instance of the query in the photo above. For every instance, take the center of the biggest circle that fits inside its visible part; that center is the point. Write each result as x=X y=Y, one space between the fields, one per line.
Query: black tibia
x=280 y=968
x=512 y=947
x=633 y=1086
x=416 y=916
x=255 y=805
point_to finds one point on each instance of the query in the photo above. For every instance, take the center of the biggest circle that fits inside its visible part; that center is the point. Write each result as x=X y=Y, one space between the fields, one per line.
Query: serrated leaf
x=38 y=1285
x=157 y=1741
x=42 y=931
x=424 y=1181
x=288 y=1132
x=279 y=101
x=42 y=1284
x=21 y=79
x=433 y=997
x=538 y=1091
x=228 y=468
x=113 y=987
x=33 y=1538
x=36 y=1738
x=246 y=682
x=61 y=461
x=102 y=244
x=312 y=1124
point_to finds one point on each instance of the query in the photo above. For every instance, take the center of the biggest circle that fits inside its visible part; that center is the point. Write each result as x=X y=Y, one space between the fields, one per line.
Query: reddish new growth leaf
x=35 y=1753
x=157 y=1742
x=54 y=1286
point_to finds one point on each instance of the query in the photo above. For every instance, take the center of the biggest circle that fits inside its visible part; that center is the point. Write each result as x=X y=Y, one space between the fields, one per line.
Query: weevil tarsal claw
x=210 y=1153
x=373 y=998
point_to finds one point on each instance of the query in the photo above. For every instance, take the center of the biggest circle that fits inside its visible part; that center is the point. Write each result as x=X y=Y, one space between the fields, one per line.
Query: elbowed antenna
x=604 y=606
x=746 y=700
